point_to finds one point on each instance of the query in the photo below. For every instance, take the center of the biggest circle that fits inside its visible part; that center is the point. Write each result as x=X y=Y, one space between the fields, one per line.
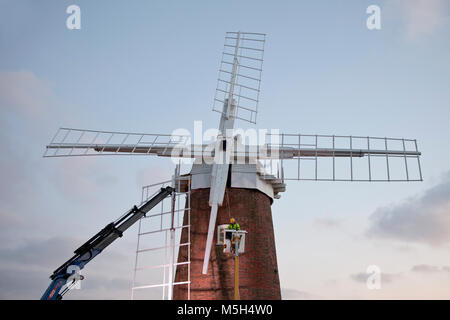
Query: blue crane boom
x=67 y=274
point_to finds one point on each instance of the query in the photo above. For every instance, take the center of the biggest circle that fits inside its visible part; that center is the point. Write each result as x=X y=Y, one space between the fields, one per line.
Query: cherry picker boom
x=67 y=274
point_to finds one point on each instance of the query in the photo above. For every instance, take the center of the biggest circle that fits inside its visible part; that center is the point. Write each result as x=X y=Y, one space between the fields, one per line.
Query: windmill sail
x=343 y=158
x=80 y=142
x=240 y=74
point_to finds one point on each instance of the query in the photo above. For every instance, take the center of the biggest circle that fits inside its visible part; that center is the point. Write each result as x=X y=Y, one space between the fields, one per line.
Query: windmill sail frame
x=362 y=155
x=240 y=72
x=82 y=142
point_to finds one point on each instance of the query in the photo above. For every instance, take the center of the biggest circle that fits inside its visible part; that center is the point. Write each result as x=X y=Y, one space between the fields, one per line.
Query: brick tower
x=258 y=270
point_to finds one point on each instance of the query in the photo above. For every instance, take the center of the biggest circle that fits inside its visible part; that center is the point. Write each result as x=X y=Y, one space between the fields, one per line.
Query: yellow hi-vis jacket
x=234 y=226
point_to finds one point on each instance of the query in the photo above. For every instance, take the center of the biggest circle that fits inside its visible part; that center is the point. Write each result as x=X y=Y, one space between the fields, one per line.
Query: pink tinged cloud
x=23 y=92
x=422 y=17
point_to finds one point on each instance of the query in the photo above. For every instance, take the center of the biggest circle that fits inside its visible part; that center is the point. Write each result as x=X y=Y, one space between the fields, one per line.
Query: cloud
x=16 y=167
x=22 y=284
x=327 y=222
x=31 y=284
x=293 y=294
x=424 y=269
x=421 y=17
x=84 y=181
x=39 y=253
x=25 y=93
x=25 y=271
x=362 y=277
x=9 y=220
x=422 y=281
x=422 y=219
x=27 y=104
x=429 y=269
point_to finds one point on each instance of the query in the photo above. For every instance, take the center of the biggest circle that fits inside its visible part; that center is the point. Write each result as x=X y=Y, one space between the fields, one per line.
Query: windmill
x=231 y=176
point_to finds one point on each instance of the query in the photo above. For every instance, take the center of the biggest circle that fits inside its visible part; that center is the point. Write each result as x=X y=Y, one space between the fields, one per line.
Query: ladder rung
x=162 y=230
x=159 y=248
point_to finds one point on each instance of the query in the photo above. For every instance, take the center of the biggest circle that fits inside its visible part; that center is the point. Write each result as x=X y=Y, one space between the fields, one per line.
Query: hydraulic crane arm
x=66 y=275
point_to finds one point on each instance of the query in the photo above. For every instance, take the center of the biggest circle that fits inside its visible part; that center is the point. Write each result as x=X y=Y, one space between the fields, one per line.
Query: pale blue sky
x=151 y=66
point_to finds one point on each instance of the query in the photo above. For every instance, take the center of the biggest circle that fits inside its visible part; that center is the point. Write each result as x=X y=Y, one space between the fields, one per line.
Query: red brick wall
x=258 y=265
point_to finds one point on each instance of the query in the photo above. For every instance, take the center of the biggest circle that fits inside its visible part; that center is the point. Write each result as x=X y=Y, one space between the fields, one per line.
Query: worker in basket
x=233 y=225
x=229 y=242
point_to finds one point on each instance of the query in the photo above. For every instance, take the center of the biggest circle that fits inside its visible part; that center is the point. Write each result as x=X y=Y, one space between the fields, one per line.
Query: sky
x=151 y=66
